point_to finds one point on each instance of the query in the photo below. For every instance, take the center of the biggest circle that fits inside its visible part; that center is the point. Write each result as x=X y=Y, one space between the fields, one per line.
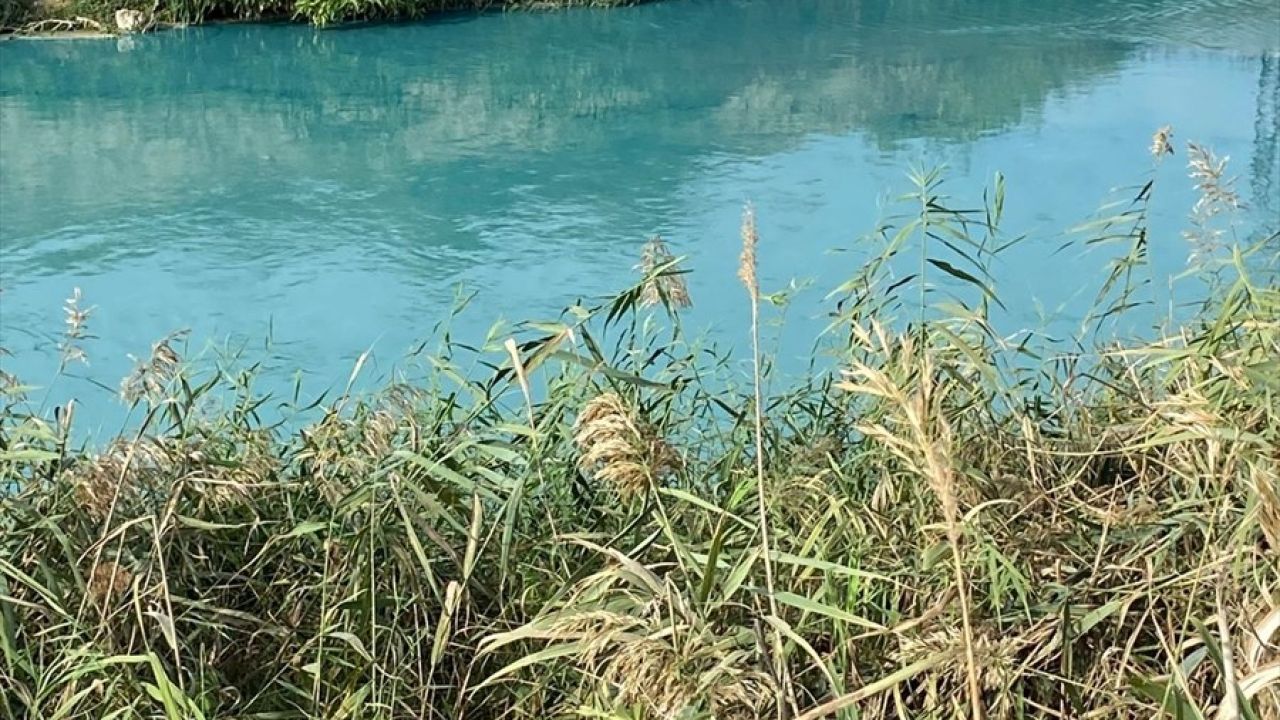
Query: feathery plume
x=150 y=379
x=619 y=449
x=77 y=319
x=1217 y=197
x=747 y=261
x=1208 y=170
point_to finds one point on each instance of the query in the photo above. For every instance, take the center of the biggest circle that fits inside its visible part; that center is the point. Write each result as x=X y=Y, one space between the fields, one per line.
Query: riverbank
x=96 y=18
x=615 y=522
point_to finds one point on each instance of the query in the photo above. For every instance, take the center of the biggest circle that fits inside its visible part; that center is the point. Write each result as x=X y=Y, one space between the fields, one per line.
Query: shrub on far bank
x=17 y=15
x=14 y=13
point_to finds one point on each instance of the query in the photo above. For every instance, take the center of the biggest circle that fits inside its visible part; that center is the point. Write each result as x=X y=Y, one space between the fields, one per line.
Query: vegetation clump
x=31 y=16
x=947 y=522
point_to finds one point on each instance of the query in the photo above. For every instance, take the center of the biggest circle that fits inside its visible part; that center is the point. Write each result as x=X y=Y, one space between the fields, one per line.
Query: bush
x=14 y=13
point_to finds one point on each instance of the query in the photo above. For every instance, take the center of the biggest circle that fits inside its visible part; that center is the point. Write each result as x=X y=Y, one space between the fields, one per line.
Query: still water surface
x=330 y=190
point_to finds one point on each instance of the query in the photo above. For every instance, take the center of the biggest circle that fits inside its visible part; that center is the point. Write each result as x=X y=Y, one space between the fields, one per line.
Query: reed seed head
x=634 y=654
x=97 y=485
x=747 y=261
x=661 y=285
x=1000 y=656
x=1217 y=197
x=152 y=378
x=108 y=581
x=126 y=472
x=1209 y=172
x=1162 y=143
x=379 y=433
x=76 y=331
x=619 y=449
x=646 y=673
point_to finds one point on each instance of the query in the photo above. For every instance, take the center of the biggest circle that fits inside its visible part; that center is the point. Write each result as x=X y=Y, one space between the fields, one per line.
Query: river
x=300 y=196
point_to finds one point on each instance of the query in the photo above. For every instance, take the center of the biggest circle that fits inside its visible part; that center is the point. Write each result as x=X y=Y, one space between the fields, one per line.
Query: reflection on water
x=334 y=187
x=1265 y=169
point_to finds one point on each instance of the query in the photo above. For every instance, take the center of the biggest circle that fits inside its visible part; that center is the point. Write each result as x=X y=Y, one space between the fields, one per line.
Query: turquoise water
x=311 y=195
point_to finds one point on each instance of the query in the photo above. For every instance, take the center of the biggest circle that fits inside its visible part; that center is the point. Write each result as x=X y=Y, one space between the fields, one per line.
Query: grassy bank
x=35 y=16
x=600 y=518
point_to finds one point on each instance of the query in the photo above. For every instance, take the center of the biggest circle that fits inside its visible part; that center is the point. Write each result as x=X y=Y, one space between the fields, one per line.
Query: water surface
x=330 y=190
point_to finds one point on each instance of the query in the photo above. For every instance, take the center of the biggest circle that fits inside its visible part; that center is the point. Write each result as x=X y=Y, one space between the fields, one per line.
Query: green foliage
x=328 y=12
x=15 y=12
x=573 y=531
x=198 y=11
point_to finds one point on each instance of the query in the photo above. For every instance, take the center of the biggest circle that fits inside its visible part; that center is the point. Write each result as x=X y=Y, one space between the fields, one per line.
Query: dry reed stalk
x=221 y=483
x=927 y=454
x=942 y=480
x=1230 y=706
x=61 y=25
x=747 y=273
x=523 y=378
x=1264 y=480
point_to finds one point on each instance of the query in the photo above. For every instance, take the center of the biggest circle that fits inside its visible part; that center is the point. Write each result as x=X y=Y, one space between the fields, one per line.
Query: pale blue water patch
x=330 y=189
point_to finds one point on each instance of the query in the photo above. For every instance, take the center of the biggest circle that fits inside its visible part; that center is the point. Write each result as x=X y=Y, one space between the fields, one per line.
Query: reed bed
x=950 y=522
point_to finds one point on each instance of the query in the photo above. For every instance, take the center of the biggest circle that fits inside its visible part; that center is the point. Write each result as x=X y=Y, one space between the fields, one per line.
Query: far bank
x=99 y=17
